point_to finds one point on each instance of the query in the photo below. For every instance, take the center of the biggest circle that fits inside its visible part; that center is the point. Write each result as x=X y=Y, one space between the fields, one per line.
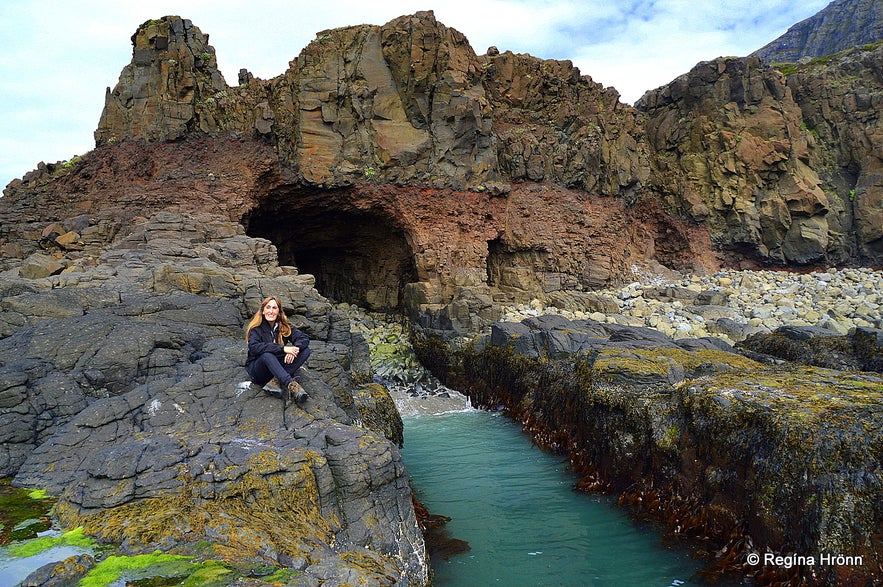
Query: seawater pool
x=515 y=506
x=14 y=570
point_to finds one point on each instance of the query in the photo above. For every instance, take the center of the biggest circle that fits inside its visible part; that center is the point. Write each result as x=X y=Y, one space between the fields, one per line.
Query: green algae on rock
x=155 y=564
x=31 y=547
x=23 y=512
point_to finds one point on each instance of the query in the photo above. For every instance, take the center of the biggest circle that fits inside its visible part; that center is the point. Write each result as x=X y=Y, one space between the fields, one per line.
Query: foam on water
x=440 y=401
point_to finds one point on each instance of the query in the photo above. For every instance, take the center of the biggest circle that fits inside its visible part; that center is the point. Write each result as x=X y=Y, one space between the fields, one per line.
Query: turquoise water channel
x=525 y=525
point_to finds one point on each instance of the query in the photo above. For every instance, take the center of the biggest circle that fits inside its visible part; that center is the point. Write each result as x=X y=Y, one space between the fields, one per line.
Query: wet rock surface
x=742 y=451
x=124 y=393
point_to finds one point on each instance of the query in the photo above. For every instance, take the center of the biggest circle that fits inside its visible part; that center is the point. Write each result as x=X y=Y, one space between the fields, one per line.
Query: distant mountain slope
x=841 y=25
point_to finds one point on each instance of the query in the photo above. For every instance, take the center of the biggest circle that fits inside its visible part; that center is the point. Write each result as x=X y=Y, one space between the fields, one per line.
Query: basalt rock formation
x=779 y=169
x=840 y=102
x=123 y=393
x=392 y=167
x=408 y=173
x=744 y=456
x=840 y=26
x=727 y=141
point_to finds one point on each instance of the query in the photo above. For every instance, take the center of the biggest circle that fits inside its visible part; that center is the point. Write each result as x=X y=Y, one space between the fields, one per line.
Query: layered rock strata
x=124 y=394
x=496 y=176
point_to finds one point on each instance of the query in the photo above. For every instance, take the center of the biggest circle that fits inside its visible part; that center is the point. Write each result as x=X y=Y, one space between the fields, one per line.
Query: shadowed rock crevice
x=359 y=257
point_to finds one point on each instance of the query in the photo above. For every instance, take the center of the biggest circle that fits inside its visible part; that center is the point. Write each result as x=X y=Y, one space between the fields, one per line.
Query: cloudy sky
x=58 y=56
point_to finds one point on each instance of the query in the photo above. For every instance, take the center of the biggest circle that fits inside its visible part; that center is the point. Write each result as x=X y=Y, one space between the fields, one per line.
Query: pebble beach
x=732 y=305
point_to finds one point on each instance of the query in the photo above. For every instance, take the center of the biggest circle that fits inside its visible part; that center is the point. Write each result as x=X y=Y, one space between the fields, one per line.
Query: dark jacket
x=262 y=339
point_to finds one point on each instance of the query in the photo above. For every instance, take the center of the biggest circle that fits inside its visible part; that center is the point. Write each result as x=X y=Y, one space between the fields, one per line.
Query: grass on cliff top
x=792 y=68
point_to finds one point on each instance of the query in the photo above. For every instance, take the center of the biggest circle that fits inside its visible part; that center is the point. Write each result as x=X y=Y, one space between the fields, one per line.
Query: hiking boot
x=272 y=387
x=297 y=392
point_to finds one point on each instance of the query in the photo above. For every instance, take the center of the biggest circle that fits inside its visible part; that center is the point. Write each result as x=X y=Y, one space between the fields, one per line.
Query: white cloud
x=60 y=56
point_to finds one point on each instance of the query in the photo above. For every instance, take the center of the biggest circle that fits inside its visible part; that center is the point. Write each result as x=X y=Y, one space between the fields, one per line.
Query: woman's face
x=271 y=311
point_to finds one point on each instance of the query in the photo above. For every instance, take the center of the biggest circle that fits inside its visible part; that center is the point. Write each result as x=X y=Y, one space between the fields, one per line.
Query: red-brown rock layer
x=402 y=169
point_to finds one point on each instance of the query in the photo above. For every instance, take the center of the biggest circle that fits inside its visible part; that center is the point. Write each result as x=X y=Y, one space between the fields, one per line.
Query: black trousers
x=267 y=366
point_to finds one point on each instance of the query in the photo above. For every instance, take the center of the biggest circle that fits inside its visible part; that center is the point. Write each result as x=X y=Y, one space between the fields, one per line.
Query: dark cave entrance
x=358 y=257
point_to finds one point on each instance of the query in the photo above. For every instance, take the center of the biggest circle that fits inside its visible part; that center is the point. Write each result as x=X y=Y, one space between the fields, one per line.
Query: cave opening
x=358 y=257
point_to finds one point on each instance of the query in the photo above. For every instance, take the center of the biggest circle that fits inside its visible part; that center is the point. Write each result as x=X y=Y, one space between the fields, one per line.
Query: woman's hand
x=291 y=353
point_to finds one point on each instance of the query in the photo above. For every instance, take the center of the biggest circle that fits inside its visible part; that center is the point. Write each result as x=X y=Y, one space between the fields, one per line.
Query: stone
x=818 y=346
x=69 y=240
x=38 y=266
x=423 y=179
x=627 y=414
x=60 y=574
x=378 y=412
x=493 y=136
x=147 y=394
x=835 y=28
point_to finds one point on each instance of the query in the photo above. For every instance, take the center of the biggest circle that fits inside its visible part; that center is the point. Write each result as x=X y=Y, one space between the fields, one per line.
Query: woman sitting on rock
x=275 y=349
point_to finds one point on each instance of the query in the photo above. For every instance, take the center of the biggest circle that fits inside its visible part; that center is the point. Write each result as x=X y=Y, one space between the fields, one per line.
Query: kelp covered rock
x=379 y=413
x=861 y=349
x=744 y=456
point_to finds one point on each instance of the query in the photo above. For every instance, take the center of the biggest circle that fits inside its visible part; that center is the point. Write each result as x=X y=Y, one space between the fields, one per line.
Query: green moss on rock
x=23 y=512
x=73 y=537
x=113 y=568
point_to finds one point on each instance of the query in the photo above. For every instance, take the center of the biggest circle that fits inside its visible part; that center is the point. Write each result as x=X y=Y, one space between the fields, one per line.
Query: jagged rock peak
x=842 y=25
x=172 y=73
x=408 y=102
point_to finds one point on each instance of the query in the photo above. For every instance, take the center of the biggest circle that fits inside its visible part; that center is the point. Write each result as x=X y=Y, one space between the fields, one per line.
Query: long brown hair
x=284 y=327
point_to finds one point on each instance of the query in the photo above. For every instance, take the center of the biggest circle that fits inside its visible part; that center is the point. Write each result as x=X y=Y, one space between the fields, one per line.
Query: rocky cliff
x=730 y=152
x=840 y=26
x=392 y=167
x=743 y=457
x=781 y=168
x=123 y=393
x=381 y=142
x=840 y=103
